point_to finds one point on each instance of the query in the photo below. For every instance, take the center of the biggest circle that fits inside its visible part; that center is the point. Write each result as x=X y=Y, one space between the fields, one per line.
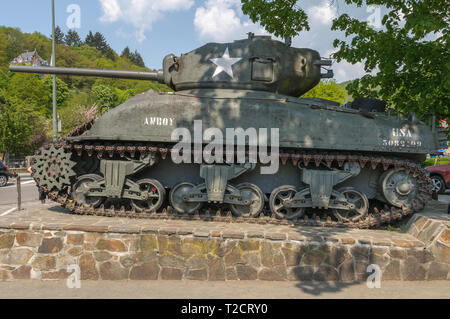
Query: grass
x=440 y=161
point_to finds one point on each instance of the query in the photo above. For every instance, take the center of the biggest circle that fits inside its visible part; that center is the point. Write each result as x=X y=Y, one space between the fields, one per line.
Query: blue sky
x=159 y=27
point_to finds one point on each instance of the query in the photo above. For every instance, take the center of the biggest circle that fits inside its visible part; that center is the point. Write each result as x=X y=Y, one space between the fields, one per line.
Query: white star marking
x=224 y=63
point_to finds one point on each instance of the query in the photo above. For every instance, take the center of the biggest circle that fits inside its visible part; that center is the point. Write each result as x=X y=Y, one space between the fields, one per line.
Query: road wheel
x=3 y=180
x=438 y=184
x=277 y=199
x=156 y=192
x=80 y=190
x=254 y=195
x=176 y=198
x=361 y=206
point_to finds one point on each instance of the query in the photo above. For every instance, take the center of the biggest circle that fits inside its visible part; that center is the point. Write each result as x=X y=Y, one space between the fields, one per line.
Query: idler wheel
x=177 y=195
x=399 y=188
x=254 y=195
x=156 y=195
x=80 y=190
x=276 y=201
x=356 y=198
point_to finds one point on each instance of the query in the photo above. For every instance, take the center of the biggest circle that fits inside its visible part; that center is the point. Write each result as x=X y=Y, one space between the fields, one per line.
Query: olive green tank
x=235 y=142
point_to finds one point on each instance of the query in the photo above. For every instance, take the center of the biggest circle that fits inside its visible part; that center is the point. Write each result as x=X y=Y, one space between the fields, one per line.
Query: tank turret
x=257 y=63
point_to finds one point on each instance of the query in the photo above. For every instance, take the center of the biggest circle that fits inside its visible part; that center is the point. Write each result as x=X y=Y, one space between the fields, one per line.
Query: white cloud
x=221 y=21
x=322 y=14
x=345 y=71
x=141 y=14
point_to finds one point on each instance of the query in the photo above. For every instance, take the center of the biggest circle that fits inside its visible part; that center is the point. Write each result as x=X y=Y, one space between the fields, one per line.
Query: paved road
x=446 y=197
x=8 y=194
x=230 y=289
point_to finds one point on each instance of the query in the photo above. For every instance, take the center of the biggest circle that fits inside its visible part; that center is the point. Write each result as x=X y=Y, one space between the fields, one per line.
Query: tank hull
x=309 y=124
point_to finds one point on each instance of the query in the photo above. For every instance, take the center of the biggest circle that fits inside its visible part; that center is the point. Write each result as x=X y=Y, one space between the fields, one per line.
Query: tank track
x=375 y=218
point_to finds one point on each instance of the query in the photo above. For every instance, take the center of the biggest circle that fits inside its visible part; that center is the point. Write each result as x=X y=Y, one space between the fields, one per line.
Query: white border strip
x=24 y=183
x=9 y=211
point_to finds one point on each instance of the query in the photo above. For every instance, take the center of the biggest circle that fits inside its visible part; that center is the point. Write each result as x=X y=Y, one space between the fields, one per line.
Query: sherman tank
x=234 y=142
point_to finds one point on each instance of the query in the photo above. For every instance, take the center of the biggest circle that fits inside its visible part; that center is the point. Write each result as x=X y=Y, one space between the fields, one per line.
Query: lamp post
x=53 y=64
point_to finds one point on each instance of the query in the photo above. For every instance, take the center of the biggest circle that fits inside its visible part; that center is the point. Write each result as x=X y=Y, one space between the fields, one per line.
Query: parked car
x=440 y=176
x=4 y=174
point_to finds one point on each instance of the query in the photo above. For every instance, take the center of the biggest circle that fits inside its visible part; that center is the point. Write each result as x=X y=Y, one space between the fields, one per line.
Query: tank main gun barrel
x=118 y=74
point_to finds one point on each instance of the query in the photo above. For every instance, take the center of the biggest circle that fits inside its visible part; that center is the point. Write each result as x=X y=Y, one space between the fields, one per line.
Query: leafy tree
x=62 y=92
x=137 y=59
x=72 y=39
x=32 y=94
x=59 y=35
x=75 y=116
x=4 y=80
x=15 y=127
x=126 y=53
x=105 y=95
x=123 y=95
x=412 y=56
x=283 y=18
x=12 y=43
x=28 y=90
x=329 y=90
x=109 y=53
x=99 y=42
x=90 y=40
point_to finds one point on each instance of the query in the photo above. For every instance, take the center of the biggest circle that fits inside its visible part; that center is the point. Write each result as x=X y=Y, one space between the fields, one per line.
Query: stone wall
x=40 y=242
x=179 y=253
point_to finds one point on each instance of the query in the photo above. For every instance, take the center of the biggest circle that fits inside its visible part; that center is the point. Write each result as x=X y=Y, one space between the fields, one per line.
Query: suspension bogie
x=344 y=189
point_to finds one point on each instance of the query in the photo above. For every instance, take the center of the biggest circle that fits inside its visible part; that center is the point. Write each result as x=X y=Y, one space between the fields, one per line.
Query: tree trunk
x=6 y=157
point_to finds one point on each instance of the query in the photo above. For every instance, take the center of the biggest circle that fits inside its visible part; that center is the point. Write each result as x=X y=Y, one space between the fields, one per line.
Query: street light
x=53 y=64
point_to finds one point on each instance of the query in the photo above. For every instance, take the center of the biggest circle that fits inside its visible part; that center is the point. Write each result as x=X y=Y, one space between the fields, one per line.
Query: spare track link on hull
x=375 y=218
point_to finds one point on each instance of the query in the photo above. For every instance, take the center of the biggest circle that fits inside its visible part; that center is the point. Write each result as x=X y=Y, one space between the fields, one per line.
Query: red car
x=440 y=176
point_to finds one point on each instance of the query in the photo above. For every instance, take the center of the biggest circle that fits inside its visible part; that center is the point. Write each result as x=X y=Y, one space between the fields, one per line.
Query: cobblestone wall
x=174 y=254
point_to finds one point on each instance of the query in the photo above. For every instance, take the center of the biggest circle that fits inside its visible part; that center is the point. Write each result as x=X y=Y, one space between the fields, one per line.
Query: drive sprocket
x=52 y=168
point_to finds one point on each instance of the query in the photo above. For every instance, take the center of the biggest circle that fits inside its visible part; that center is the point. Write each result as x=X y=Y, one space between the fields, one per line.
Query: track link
x=375 y=218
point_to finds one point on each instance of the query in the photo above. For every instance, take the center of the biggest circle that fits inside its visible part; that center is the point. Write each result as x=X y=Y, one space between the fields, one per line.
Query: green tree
x=75 y=116
x=126 y=53
x=62 y=93
x=16 y=127
x=72 y=39
x=99 y=42
x=283 y=18
x=28 y=89
x=4 y=80
x=137 y=59
x=123 y=95
x=329 y=90
x=109 y=53
x=12 y=43
x=59 y=35
x=30 y=94
x=90 y=40
x=412 y=57
x=105 y=95
x=410 y=53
